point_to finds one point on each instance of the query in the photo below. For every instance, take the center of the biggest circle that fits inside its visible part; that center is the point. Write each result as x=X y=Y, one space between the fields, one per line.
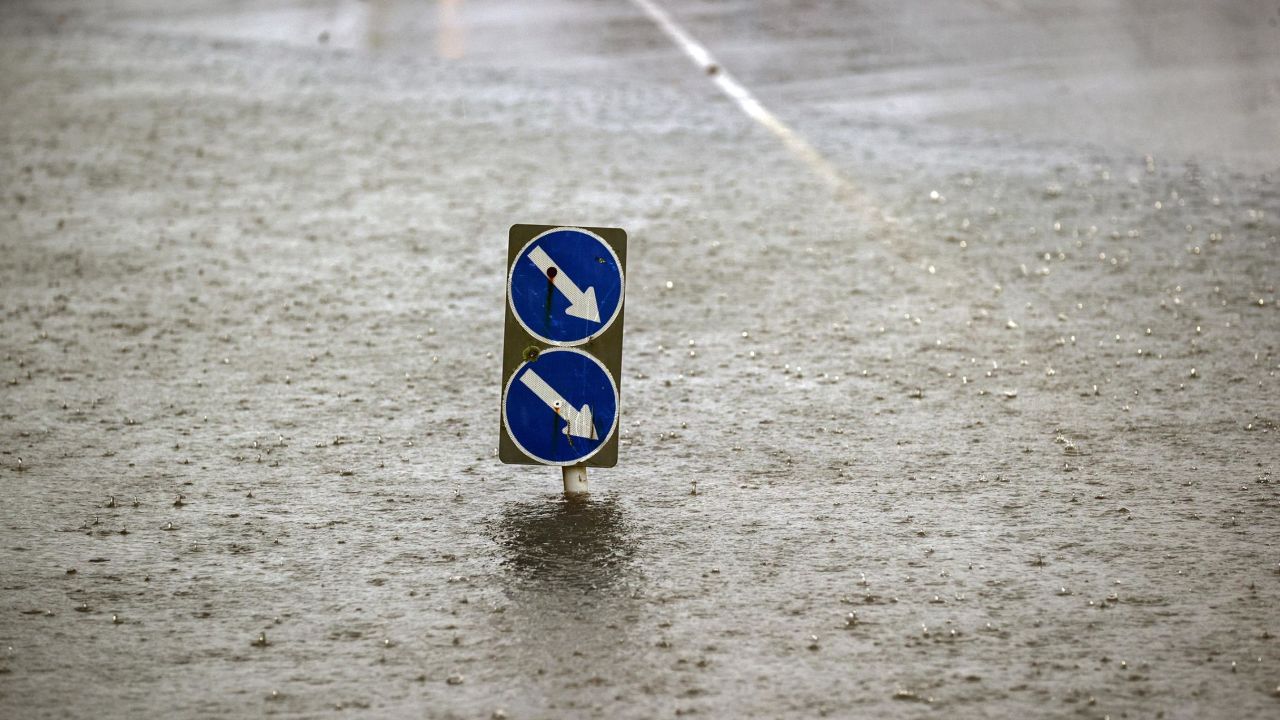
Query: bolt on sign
x=562 y=350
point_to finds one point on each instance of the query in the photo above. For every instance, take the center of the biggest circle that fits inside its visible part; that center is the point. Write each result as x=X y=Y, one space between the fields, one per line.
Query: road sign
x=561 y=407
x=565 y=286
x=562 y=354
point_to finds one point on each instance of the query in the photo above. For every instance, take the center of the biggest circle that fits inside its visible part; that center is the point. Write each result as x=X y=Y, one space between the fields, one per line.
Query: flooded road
x=1184 y=80
x=992 y=436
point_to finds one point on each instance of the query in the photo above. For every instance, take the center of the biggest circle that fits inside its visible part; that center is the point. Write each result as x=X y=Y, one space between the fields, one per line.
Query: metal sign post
x=562 y=351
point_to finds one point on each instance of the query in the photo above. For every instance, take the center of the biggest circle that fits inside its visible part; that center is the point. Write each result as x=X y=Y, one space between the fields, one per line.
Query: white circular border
x=617 y=407
x=622 y=289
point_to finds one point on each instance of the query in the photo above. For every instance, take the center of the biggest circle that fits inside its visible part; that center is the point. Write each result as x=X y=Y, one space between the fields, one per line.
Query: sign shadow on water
x=577 y=546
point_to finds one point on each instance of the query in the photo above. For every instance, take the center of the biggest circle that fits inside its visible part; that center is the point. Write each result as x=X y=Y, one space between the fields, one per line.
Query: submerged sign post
x=562 y=352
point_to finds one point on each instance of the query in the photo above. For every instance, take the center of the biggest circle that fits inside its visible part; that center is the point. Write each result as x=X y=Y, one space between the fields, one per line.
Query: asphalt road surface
x=950 y=392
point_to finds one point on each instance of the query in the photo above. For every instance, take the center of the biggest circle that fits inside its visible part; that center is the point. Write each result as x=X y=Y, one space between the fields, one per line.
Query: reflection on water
x=570 y=571
x=1180 y=77
x=449 y=31
x=558 y=544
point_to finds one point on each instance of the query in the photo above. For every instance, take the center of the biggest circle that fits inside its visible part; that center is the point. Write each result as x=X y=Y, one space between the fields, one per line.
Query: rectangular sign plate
x=562 y=350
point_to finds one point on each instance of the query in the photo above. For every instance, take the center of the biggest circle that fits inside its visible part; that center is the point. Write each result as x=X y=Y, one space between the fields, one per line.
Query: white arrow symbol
x=581 y=304
x=580 y=422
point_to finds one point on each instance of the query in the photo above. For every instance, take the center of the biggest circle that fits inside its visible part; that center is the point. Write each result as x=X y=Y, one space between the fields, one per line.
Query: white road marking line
x=748 y=102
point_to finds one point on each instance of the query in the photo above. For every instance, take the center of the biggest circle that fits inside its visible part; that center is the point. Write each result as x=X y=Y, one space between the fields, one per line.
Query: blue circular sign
x=561 y=407
x=566 y=286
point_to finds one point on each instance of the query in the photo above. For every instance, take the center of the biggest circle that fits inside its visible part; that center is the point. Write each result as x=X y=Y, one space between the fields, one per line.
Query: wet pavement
x=1003 y=447
x=1183 y=80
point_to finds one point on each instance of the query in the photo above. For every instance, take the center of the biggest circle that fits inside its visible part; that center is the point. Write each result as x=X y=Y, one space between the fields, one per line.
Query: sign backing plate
x=519 y=342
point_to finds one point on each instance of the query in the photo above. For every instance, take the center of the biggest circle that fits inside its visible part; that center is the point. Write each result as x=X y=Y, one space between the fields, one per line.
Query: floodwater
x=993 y=436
